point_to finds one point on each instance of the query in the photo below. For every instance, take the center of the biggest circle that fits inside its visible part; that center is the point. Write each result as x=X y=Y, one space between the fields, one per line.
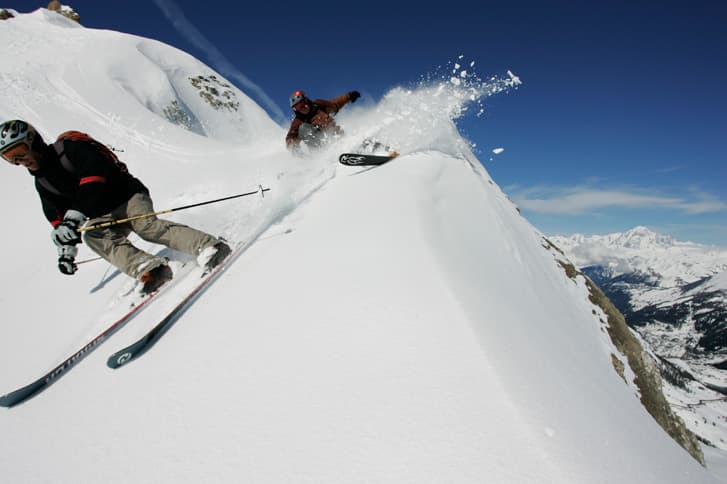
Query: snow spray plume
x=424 y=117
x=175 y=15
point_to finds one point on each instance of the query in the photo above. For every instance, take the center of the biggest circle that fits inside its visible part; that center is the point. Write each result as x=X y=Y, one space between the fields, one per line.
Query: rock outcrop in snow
x=674 y=295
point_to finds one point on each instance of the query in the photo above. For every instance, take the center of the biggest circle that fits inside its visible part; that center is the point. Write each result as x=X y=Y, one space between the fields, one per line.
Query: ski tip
x=21 y=395
x=119 y=359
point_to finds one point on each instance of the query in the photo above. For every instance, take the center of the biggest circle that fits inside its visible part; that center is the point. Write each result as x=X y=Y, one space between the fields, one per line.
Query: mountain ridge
x=404 y=323
x=674 y=294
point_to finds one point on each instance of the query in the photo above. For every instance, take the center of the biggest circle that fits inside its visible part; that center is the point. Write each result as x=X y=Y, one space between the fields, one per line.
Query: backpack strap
x=47 y=185
x=65 y=161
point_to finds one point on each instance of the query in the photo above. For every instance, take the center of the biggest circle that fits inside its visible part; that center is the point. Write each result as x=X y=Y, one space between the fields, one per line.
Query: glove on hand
x=66 y=232
x=354 y=95
x=67 y=259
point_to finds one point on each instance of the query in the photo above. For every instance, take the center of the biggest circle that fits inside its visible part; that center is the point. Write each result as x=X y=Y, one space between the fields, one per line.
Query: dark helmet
x=14 y=132
x=297 y=97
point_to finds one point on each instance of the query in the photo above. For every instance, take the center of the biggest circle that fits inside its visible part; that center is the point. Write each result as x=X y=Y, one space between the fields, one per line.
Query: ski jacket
x=318 y=116
x=82 y=175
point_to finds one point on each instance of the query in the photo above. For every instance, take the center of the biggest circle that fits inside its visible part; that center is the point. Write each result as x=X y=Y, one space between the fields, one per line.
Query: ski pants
x=112 y=243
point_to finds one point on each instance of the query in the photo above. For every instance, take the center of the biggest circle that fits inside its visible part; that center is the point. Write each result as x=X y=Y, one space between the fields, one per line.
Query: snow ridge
x=396 y=324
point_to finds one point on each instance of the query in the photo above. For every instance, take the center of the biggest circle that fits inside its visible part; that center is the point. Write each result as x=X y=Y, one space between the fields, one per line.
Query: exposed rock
x=177 y=115
x=64 y=10
x=647 y=379
x=217 y=94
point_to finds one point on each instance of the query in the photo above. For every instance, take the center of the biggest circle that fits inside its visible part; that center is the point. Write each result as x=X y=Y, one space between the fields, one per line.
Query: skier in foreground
x=313 y=123
x=81 y=181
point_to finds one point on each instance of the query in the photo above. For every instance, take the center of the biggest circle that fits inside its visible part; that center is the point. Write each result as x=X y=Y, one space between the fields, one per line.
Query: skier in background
x=313 y=122
x=81 y=181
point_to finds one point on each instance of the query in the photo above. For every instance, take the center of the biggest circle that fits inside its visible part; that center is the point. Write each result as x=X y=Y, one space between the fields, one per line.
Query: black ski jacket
x=79 y=175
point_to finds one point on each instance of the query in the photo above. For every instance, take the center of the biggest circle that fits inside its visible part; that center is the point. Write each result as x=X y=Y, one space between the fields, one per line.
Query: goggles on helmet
x=15 y=153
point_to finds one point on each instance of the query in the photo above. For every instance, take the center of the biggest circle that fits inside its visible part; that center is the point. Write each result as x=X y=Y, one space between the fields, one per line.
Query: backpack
x=100 y=147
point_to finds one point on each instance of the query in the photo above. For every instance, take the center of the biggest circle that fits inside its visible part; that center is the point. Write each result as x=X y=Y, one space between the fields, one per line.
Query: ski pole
x=261 y=190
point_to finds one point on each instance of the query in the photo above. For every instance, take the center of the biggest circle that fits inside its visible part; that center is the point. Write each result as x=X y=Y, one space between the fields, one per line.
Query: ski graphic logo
x=74 y=359
x=123 y=358
x=363 y=159
x=353 y=159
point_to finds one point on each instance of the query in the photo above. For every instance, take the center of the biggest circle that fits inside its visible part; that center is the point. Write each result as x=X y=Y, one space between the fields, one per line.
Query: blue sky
x=621 y=119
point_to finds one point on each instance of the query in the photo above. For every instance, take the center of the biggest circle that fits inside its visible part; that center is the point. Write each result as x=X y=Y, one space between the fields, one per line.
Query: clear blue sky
x=621 y=119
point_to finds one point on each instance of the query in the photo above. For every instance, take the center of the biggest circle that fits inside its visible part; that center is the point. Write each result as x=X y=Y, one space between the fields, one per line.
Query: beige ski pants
x=112 y=243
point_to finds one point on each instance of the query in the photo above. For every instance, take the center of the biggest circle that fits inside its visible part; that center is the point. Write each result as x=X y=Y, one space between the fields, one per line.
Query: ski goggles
x=299 y=106
x=15 y=152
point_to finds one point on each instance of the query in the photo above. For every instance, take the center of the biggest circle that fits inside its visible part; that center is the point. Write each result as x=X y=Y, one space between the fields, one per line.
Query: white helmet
x=15 y=132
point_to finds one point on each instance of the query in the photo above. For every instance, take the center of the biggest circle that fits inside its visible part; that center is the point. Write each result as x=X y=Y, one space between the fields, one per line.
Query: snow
x=497 y=151
x=396 y=324
x=718 y=282
x=644 y=250
x=670 y=266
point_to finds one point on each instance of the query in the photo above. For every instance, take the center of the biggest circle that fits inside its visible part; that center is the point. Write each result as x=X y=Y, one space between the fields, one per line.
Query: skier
x=312 y=117
x=81 y=181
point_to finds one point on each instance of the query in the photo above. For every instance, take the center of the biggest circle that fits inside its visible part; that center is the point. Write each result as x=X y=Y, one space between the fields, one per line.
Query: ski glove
x=67 y=259
x=66 y=232
x=354 y=95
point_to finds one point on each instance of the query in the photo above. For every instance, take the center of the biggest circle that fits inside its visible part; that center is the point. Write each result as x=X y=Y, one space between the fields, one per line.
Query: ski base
x=362 y=159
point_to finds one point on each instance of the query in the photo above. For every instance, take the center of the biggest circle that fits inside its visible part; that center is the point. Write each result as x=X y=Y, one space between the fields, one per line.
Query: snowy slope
x=675 y=295
x=66 y=74
x=400 y=324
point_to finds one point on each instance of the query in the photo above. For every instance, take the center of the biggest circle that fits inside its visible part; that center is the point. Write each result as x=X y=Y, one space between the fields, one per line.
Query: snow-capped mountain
x=396 y=324
x=675 y=295
x=645 y=252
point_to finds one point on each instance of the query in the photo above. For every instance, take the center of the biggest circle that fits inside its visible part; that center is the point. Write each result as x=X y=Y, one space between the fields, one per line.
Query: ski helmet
x=297 y=97
x=16 y=132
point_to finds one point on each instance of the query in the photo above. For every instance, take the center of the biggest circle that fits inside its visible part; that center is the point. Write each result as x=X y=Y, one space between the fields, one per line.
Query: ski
x=142 y=345
x=22 y=394
x=362 y=159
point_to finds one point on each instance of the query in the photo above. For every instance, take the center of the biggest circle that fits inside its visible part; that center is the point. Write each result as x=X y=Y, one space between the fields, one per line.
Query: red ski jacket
x=318 y=116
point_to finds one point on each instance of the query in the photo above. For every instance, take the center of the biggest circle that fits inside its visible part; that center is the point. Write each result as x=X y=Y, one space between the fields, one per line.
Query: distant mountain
x=645 y=252
x=674 y=294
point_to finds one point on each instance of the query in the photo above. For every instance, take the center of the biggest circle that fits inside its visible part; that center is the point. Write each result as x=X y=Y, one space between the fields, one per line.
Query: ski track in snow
x=402 y=325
